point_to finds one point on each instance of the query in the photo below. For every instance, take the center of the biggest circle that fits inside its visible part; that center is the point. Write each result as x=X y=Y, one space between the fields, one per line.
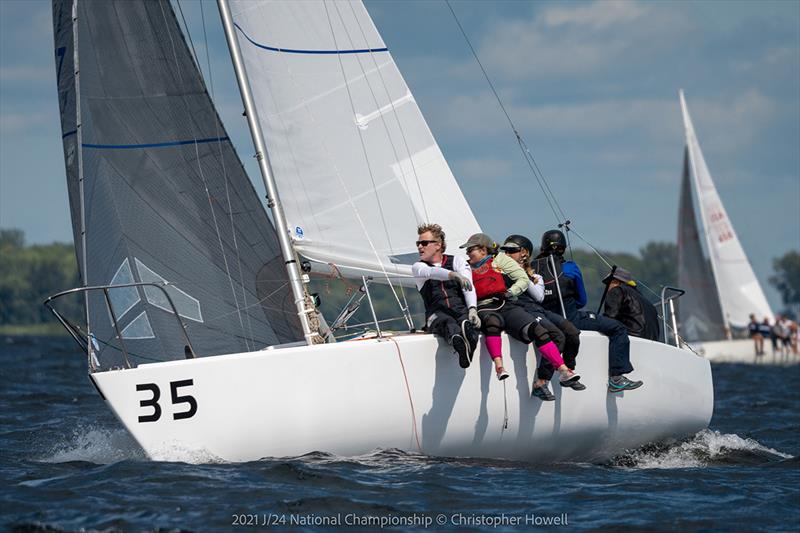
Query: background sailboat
x=157 y=194
x=722 y=290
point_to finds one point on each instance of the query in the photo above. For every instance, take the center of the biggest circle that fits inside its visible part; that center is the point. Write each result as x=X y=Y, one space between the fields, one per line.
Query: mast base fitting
x=305 y=266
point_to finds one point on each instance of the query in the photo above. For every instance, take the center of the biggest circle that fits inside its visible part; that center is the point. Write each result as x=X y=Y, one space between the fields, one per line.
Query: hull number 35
x=155 y=396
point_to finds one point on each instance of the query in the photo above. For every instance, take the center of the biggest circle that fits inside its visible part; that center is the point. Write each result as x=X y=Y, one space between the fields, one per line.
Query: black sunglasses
x=425 y=243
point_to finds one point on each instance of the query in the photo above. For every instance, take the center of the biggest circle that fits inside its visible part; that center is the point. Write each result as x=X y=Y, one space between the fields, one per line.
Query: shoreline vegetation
x=31 y=273
x=53 y=329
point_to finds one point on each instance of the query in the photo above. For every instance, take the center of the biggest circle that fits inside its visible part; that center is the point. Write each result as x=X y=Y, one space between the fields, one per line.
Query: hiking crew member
x=626 y=304
x=562 y=331
x=573 y=293
x=445 y=283
x=497 y=310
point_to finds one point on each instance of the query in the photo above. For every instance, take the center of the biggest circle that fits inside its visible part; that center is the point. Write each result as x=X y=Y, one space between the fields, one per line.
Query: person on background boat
x=498 y=311
x=774 y=333
x=766 y=332
x=784 y=324
x=568 y=280
x=755 y=333
x=626 y=304
x=445 y=283
x=562 y=331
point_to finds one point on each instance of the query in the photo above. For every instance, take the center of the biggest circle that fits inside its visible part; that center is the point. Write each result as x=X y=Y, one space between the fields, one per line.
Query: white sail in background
x=356 y=165
x=740 y=293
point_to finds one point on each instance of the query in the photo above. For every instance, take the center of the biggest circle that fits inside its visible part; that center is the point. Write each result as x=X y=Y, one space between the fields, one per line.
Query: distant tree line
x=31 y=273
x=787 y=281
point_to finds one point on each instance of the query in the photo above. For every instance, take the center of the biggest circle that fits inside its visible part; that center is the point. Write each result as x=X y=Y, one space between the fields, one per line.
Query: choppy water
x=68 y=465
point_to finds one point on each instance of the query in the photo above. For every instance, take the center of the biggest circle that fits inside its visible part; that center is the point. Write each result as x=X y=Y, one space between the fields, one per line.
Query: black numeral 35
x=176 y=399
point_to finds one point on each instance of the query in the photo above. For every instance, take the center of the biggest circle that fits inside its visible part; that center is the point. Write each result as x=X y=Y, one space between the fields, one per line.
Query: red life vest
x=488 y=281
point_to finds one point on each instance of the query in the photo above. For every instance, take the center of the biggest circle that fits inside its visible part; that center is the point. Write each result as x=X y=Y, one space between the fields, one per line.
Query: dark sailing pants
x=513 y=319
x=619 y=347
x=445 y=326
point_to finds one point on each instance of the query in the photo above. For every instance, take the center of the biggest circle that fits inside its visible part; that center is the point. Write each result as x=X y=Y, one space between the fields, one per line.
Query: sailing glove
x=474 y=318
x=509 y=296
x=464 y=281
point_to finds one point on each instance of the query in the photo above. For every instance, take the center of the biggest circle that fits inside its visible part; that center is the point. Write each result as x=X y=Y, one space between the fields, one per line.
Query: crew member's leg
x=572 y=337
x=525 y=328
x=460 y=338
x=492 y=326
x=619 y=360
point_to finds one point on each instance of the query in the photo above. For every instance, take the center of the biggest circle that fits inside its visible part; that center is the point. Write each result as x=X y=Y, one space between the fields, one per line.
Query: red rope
x=408 y=390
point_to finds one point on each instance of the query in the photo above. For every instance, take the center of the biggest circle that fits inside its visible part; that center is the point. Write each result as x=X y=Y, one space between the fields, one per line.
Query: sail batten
x=738 y=291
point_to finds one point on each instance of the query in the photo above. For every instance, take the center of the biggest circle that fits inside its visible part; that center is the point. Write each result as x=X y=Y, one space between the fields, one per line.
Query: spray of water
x=96 y=445
x=706 y=448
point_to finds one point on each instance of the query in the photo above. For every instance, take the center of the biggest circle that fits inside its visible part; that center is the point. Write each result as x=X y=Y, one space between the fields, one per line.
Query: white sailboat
x=199 y=334
x=719 y=299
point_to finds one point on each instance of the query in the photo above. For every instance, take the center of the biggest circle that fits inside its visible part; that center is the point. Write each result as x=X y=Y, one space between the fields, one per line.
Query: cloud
x=725 y=125
x=19 y=123
x=597 y=15
x=477 y=168
x=576 y=39
x=26 y=75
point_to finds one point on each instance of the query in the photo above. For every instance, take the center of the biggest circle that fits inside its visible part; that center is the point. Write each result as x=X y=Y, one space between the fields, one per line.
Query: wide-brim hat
x=479 y=239
x=620 y=274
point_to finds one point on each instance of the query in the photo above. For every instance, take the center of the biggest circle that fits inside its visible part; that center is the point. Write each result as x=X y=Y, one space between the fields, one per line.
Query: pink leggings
x=494 y=343
x=550 y=352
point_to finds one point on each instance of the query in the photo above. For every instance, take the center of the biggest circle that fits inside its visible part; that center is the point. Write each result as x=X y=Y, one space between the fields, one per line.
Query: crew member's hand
x=474 y=318
x=464 y=281
x=509 y=296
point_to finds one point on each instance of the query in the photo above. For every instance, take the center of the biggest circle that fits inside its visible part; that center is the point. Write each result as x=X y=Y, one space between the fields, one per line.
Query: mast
x=79 y=152
x=687 y=123
x=273 y=200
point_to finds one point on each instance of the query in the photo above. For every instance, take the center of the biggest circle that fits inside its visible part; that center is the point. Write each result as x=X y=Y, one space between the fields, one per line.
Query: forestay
x=164 y=195
x=356 y=165
x=739 y=291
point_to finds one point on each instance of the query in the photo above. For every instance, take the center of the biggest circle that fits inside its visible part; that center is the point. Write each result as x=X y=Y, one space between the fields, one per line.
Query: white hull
x=350 y=398
x=742 y=351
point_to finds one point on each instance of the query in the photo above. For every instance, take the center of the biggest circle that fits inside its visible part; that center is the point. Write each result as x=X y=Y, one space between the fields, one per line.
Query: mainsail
x=164 y=197
x=354 y=160
x=739 y=292
x=701 y=316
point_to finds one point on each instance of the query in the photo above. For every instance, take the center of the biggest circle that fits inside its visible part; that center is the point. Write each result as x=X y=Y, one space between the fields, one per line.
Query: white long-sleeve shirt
x=536 y=290
x=423 y=272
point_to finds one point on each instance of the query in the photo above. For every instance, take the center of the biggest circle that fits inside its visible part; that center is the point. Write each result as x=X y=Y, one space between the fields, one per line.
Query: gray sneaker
x=621 y=383
x=543 y=393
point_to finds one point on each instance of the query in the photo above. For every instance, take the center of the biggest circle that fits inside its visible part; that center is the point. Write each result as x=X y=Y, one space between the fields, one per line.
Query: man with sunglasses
x=445 y=283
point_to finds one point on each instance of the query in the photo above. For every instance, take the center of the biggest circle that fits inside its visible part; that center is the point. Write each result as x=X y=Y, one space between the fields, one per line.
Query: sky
x=591 y=86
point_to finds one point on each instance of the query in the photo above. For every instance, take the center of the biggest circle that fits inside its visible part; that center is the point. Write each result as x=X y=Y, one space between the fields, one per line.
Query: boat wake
x=96 y=445
x=706 y=448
